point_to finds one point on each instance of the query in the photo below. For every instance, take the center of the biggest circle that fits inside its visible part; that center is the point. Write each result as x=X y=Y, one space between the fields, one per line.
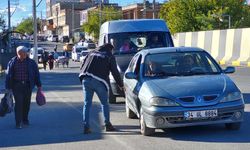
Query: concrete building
x=137 y=11
x=64 y=17
x=84 y=13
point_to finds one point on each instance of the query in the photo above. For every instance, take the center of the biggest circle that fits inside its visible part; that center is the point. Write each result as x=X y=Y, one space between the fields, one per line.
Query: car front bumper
x=161 y=118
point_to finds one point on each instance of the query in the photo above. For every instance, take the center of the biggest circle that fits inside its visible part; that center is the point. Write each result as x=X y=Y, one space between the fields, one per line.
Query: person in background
x=94 y=76
x=45 y=58
x=51 y=61
x=155 y=42
x=66 y=55
x=21 y=77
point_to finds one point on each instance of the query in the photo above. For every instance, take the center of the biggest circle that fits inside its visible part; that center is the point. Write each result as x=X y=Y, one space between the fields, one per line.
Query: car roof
x=137 y=25
x=169 y=49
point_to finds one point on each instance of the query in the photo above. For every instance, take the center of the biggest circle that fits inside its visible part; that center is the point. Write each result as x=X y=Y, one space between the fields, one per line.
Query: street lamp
x=229 y=19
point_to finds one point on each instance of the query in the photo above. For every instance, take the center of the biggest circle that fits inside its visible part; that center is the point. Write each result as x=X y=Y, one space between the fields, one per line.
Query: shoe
x=26 y=122
x=19 y=126
x=86 y=130
x=109 y=127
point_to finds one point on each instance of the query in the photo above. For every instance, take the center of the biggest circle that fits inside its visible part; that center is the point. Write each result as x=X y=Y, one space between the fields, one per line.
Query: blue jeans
x=91 y=85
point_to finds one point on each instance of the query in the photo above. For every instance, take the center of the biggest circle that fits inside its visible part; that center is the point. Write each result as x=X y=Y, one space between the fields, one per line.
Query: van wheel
x=112 y=98
x=233 y=126
x=146 y=131
x=129 y=113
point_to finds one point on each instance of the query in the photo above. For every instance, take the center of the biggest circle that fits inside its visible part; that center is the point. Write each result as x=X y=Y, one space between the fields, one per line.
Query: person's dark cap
x=107 y=46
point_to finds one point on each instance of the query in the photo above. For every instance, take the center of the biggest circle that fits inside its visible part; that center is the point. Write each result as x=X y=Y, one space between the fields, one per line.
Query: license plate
x=201 y=114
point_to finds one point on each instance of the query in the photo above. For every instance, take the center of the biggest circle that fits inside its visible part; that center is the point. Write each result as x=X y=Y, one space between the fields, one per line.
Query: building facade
x=141 y=11
x=65 y=17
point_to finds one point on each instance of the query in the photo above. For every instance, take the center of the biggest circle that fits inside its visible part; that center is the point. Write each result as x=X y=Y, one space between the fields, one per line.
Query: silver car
x=180 y=86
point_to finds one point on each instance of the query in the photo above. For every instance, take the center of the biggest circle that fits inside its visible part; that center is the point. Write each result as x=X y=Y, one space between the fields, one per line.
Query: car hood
x=176 y=87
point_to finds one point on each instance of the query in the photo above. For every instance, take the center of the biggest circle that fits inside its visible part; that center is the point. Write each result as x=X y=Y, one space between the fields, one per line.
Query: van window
x=132 y=42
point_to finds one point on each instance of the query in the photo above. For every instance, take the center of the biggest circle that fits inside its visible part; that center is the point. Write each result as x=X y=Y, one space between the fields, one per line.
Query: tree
x=2 y=22
x=26 y=26
x=196 y=15
x=92 y=26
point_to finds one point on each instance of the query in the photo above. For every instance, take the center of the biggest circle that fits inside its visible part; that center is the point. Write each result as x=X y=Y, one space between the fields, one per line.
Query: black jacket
x=98 y=64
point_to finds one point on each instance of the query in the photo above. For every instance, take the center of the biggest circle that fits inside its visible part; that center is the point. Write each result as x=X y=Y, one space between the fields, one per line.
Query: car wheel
x=233 y=126
x=112 y=97
x=146 y=131
x=129 y=113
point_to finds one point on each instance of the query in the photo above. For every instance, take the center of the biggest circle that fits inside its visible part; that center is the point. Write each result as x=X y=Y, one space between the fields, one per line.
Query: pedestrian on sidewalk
x=94 y=76
x=51 y=61
x=45 y=58
x=21 y=77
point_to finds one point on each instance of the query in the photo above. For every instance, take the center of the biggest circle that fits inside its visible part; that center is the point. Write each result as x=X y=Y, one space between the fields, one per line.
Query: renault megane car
x=180 y=86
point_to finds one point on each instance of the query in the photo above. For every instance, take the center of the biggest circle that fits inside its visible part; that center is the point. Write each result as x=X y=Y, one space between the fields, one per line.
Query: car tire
x=112 y=97
x=146 y=131
x=129 y=113
x=233 y=126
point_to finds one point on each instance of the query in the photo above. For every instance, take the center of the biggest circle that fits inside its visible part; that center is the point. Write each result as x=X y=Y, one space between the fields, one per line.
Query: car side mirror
x=229 y=70
x=130 y=75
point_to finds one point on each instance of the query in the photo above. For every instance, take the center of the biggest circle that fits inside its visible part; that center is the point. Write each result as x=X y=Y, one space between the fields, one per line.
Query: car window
x=180 y=64
x=127 y=43
x=132 y=63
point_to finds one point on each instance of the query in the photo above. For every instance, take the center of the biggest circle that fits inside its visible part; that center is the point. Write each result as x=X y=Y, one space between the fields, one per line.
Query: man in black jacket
x=94 y=77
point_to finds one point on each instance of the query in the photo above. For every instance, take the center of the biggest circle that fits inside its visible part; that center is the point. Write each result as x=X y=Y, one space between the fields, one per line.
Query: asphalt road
x=58 y=126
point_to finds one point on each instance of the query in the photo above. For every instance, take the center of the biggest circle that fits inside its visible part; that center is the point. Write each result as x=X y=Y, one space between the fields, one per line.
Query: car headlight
x=160 y=101
x=233 y=96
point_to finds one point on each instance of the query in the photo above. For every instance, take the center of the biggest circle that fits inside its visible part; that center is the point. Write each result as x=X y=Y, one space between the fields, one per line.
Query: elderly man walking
x=22 y=76
x=95 y=78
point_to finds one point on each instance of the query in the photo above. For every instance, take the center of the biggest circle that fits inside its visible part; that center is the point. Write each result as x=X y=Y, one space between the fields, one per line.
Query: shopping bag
x=40 y=98
x=6 y=105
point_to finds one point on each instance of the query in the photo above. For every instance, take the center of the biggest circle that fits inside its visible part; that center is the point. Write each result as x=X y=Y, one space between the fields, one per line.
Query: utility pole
x=35 y=31
x=73 y=18
x=153 y=9
x=9 y=27
x=57 y=21
x=100 y=13
x=144 y=9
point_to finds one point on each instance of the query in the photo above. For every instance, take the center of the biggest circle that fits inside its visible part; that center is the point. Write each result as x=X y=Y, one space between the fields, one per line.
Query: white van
x=129 y=37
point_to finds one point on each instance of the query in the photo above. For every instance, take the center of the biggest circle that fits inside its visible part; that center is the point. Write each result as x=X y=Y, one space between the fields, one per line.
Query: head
x=106 y=46
x=155 y=38
x=188 y=60
x=22 y=52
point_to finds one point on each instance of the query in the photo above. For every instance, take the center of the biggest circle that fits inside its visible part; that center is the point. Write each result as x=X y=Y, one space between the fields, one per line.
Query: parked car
x=83 y=55
x=128 y=38
x=39 y=53
x=64 y=39
x=53 y=38
x=76 y=52
x=68 y=46
x=177 y=87
x=89 y=44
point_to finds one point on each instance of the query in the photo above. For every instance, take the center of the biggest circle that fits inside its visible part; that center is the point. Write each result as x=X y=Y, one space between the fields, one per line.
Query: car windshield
x=127 y=43
x=180 y=64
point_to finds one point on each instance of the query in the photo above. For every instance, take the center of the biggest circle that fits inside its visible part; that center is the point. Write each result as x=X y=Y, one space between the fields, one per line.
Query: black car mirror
x=229 y=70
x=130 y=75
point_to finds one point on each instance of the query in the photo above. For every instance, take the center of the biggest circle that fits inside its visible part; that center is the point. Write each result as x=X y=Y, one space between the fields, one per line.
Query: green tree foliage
x=26 y=26
x=196 y=15
x=2 y=22
x=92 y=25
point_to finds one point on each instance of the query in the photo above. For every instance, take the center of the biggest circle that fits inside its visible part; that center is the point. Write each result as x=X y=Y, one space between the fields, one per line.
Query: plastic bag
x=40 y=98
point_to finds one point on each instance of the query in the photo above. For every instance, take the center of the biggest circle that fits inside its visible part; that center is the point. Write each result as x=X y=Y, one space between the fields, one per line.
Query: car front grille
x=191 y=99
